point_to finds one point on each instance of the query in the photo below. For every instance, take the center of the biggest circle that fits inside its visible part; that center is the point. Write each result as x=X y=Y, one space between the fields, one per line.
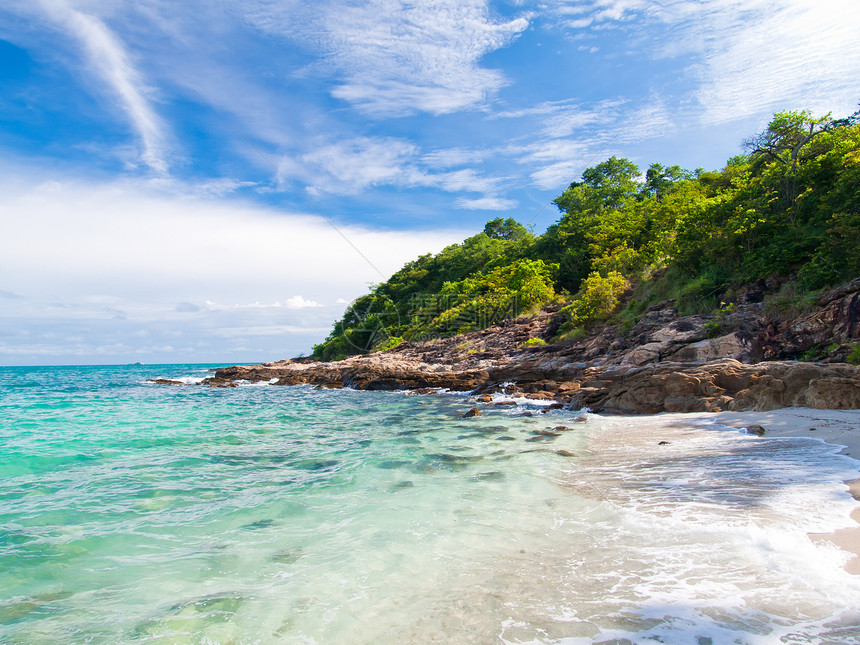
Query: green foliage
x=713 y=329
x=789 y=207
x=505 y=229
x=598 y=299
x=390 y=343
x=484 y=299
x=854 y=354
x=726 y=309
x=570 y=334
x=791 y=301
x=533 y=342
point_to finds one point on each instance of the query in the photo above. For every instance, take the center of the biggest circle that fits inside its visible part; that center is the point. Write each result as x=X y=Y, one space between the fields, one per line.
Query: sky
x=207 y=181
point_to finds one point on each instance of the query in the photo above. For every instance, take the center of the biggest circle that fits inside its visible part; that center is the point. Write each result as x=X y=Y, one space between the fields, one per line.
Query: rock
x=164 y=381
x=540 y=396
x=218 y=382
x=504 y=403
x=645 y=354
x=714 y=386
x=474 y=412
x=833 y=394
x=664 y=364
x=755 y=429
x=835 y=322
x=546 y=433
x=735 y=345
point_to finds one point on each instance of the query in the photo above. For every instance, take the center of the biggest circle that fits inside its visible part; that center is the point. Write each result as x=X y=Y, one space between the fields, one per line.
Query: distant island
x=672 y=290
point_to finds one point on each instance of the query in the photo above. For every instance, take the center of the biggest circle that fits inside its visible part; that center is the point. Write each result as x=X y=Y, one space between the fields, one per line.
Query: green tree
x=601 y=228
x=660 y=181
x=505 y=229
x=790 y=139
x=597 y=299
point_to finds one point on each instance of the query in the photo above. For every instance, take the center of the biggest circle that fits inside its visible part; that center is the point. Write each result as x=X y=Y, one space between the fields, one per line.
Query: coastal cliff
x=665 y=363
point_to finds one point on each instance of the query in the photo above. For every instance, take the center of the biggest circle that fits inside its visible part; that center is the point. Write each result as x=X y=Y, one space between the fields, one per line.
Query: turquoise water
x=132 y=512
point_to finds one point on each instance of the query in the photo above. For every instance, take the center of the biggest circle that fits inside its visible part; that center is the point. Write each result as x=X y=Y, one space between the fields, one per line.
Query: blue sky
x=199 y=181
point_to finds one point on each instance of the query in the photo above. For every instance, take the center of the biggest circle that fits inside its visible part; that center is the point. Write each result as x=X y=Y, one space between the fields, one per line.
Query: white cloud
x=395 y=57
x=107 y=56
x=487 y=204
x=121 y=236
x=452 y=157
x=265 y=330
x=748 y=58
x=104 y=261
x=214 y=306
x=557 y=175
x=565 y=118
x=461 y=180
x=557 y=150
x=581 y=14
x=297 y=302
x=787 y=55
x=353 y=166
x=648 y=121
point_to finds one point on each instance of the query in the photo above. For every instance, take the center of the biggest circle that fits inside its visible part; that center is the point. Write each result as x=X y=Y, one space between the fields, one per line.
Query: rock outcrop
x=665 y=363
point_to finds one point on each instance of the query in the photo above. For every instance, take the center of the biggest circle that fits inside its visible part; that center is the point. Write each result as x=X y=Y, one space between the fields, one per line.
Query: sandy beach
x=840 y=427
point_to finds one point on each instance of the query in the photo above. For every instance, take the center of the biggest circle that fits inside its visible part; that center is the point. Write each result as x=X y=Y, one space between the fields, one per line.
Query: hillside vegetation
x=789 y=207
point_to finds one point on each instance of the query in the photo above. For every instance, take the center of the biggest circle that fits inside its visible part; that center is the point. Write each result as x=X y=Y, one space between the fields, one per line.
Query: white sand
x=841 y=427
x=834 y=426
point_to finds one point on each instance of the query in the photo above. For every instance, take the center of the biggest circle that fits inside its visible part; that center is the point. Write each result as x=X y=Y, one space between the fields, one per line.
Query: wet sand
x=840 y=427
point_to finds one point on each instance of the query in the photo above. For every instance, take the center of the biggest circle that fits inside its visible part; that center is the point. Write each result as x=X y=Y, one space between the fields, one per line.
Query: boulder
x=735 y=345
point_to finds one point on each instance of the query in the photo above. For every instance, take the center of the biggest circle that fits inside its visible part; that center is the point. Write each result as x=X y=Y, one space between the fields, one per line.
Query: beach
x=140 y=511
x=838 y=427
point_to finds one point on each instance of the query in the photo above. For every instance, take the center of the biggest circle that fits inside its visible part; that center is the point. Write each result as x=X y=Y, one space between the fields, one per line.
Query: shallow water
x=133 y=512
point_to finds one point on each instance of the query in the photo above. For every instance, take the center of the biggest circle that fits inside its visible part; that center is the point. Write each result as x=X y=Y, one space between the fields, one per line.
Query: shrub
x=570 y=334
x=390 y=343
x=598 y=298
x=854 y=354
x=712 y=329
x=817 y=273
x=533 y=342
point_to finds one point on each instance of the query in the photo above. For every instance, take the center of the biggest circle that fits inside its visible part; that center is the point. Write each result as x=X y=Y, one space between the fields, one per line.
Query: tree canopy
x=789 y=206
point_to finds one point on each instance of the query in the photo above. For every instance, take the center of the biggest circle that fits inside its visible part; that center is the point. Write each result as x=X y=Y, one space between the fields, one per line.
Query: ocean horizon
x=133 y=512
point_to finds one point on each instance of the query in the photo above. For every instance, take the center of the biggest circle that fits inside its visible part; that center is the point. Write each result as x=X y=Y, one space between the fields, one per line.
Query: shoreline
x=836 y=427
x=725 y=392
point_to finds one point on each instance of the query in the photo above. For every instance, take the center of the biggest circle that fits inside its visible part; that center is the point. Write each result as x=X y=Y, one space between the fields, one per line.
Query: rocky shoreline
x=743 y=360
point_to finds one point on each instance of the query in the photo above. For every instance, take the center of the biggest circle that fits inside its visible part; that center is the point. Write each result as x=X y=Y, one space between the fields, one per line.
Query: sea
x=132 y=512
